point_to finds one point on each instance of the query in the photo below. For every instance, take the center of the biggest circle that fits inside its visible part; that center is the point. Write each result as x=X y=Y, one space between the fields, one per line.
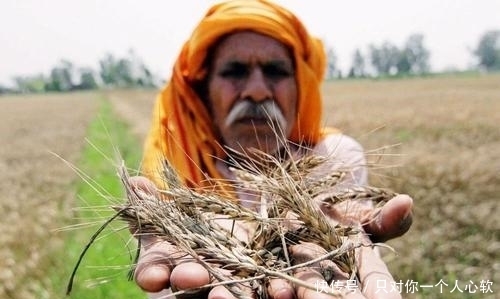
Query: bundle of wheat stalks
x=186 y=219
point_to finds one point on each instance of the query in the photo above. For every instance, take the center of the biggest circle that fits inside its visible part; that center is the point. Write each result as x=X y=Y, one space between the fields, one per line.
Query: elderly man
x=250 y=77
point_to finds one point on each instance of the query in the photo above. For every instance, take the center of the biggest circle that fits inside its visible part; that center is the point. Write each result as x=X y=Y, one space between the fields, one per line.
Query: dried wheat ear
x=188 y=219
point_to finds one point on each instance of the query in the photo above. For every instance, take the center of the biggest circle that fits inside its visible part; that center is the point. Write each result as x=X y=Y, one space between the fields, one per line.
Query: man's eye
x=276 y=71
x=236 y=72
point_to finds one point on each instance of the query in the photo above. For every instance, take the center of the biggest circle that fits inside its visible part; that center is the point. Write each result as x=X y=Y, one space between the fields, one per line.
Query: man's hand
x=381 y=224
x=162 y=265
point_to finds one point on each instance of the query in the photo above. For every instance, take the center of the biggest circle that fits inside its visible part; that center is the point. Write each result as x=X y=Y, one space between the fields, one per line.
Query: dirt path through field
x=135 y=107
x=36 y=193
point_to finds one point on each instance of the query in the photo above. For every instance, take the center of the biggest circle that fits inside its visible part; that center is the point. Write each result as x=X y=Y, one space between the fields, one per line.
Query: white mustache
x=262 y=110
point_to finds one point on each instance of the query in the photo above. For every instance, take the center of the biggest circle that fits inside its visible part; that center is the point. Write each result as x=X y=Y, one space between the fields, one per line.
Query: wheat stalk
x=185 y=219
x=289 y=215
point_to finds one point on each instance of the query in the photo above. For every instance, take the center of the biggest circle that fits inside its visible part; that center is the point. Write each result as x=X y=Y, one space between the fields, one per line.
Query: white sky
x=36 y=34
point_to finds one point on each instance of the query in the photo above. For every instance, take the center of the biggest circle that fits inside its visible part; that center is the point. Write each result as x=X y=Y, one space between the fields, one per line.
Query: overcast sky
x=36 y=34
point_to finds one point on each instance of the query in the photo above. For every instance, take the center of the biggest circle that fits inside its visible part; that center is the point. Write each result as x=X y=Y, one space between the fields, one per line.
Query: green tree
x=30 y=84
x=488 y=50
x=125 y=77
x=358 y=68
x=61 y=77
x=331 y=66
x=384 y=59
x=146 y=79
x=404 y=65
x=107 y=69
x=4 y=90
x=142 y=76
x=129 y=71
x=87 y=79
x=414 y=58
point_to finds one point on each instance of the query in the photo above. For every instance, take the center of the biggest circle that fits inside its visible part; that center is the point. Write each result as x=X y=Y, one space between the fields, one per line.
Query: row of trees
x=385 y=59
x=412 y=58
x=113 y=72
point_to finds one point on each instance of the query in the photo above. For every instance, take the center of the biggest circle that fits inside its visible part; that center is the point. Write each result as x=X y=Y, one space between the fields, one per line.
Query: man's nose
x=257 y=88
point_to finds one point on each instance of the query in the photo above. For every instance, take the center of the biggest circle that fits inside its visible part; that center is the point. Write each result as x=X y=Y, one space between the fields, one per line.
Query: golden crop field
x=36 y=186
x=447 y=132
x=437 y=139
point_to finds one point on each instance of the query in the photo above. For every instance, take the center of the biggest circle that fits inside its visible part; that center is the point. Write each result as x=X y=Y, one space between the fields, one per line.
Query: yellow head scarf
x=182 y=131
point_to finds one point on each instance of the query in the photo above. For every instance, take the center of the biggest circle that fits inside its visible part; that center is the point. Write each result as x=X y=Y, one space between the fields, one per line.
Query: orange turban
x=182 y=131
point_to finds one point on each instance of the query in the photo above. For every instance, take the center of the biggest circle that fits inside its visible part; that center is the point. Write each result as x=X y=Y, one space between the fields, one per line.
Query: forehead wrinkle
x=241 y=45
x=259 y=62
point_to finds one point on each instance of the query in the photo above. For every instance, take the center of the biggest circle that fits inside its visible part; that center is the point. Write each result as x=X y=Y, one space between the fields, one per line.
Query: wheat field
x=37 y=195
x=435 y=138
x=446 y=133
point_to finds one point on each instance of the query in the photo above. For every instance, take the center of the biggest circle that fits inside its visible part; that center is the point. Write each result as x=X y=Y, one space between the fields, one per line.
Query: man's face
x=252 y=91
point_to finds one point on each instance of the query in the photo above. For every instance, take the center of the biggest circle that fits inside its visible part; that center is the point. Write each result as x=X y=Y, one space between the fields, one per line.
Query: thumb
x=391 y=221
x=143 y=184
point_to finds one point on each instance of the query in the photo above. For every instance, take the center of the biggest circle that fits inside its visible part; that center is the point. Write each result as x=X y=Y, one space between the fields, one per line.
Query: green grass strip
x=104 y=268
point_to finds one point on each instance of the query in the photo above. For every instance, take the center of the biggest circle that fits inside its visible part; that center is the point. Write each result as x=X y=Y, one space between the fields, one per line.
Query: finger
x=314 y=279
x=220 y=292
x=280 y=289
x=152 y=273
x=376 y=280
x=188 y=276
x=315 y=285
x=391 y=221
x=143 y=184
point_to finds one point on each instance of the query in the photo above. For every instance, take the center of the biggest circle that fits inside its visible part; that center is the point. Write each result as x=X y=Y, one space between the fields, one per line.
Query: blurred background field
x=446 y=137
x=435 y=138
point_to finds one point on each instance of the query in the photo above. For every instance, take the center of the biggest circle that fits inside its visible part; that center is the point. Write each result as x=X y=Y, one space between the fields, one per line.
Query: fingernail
x=406 y=221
